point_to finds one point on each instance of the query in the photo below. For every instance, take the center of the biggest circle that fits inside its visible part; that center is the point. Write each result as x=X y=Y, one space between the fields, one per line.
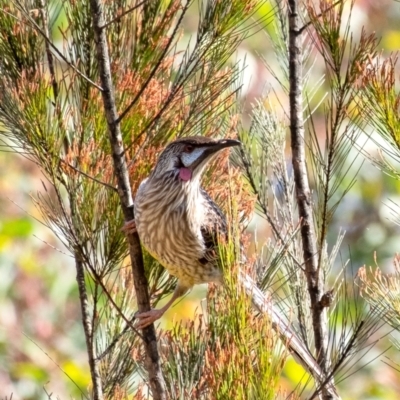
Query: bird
x=175 y=218
x=179 y=225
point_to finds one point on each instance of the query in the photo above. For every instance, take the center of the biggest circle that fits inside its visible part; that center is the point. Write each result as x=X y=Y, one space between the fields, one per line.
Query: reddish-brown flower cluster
x=231 y=361
x=89 y=159
x=225 y=184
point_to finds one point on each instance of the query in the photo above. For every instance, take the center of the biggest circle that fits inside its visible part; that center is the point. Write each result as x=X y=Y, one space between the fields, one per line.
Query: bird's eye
x=188 y=148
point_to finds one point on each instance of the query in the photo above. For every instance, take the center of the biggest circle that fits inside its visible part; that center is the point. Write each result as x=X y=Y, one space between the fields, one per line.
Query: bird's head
x=186 y=158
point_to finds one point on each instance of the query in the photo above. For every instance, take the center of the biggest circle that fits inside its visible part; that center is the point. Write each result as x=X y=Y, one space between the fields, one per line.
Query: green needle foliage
x=165 y=85
x=51 y=111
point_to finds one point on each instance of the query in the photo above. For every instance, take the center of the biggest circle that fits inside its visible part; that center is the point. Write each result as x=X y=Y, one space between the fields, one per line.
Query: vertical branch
x=49 y=55
x=156 y=379
x=88 y=329
x=303 y=193
x=87 y=316
x=51 y=64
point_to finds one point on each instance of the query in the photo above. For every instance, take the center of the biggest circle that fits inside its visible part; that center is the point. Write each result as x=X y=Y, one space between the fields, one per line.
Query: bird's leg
x=129 y=227
x=148 y=317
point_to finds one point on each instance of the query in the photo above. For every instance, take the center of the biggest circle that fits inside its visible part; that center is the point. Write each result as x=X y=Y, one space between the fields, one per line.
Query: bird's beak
x=214 y=148
x=222 y=144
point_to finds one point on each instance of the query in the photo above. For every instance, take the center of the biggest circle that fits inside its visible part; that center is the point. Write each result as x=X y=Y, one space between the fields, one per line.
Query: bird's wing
x=214 y=226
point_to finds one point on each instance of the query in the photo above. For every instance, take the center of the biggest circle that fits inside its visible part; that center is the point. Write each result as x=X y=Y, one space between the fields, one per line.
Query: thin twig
x=114 y=341
x=83 y=394
x=152 y=363
x=306 y=25
x=49 y=54
x=96 y=277
x=118 y=17
x=276 y=229
x=48 y=244
x=303 y=193
x=52 y=68
x=289 y=338
x=50 y=43
x=88 y=329
x=99 y=281
x=89 y=176
x=156 y=66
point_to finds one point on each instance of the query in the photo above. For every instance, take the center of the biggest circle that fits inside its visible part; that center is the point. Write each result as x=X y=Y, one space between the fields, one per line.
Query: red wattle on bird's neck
x=185 y=174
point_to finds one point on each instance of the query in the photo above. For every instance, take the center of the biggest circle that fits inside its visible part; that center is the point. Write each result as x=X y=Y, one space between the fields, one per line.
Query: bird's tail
x=288 y=336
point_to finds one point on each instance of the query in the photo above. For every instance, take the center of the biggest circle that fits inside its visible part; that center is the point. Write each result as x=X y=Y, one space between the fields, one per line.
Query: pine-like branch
x=289 y=338
x=120 y=169
x=303 y=193
x=88 y=330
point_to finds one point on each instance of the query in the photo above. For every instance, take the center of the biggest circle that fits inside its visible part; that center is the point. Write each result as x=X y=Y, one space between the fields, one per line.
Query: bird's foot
x=146 y=318
x=129 y=227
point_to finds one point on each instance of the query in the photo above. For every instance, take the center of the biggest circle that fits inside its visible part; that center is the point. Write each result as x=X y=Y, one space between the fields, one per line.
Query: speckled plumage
x=172 y=236
x=177 y=221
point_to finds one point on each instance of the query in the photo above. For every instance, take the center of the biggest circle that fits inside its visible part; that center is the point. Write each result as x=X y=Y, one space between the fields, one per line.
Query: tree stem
x=156 y=379
x=304 y=201
x=88 y=329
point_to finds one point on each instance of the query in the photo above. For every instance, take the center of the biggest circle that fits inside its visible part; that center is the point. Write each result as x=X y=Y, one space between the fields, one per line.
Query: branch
x=156 y=66
x=51 y=62
x=307 y=24
x=88 y=329
x=49 y=54
x=303 y=194
x=152 y=363
x=82 y=393
x=119 y=17
x=88 y=176
x=113 y=343
x=86 y=318
x=288 y=337
x=39 y=30
x=277 y=230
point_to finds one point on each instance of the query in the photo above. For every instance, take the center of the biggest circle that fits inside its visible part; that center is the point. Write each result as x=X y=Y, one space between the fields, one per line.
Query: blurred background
x=42 y=347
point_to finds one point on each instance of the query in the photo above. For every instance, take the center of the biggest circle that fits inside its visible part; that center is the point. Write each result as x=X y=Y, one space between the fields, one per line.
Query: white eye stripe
x=189 y=158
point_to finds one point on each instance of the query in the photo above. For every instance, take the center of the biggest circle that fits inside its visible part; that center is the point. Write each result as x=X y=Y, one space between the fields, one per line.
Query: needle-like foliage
x=52 y=103
x=336 y=323
x=92 y=91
